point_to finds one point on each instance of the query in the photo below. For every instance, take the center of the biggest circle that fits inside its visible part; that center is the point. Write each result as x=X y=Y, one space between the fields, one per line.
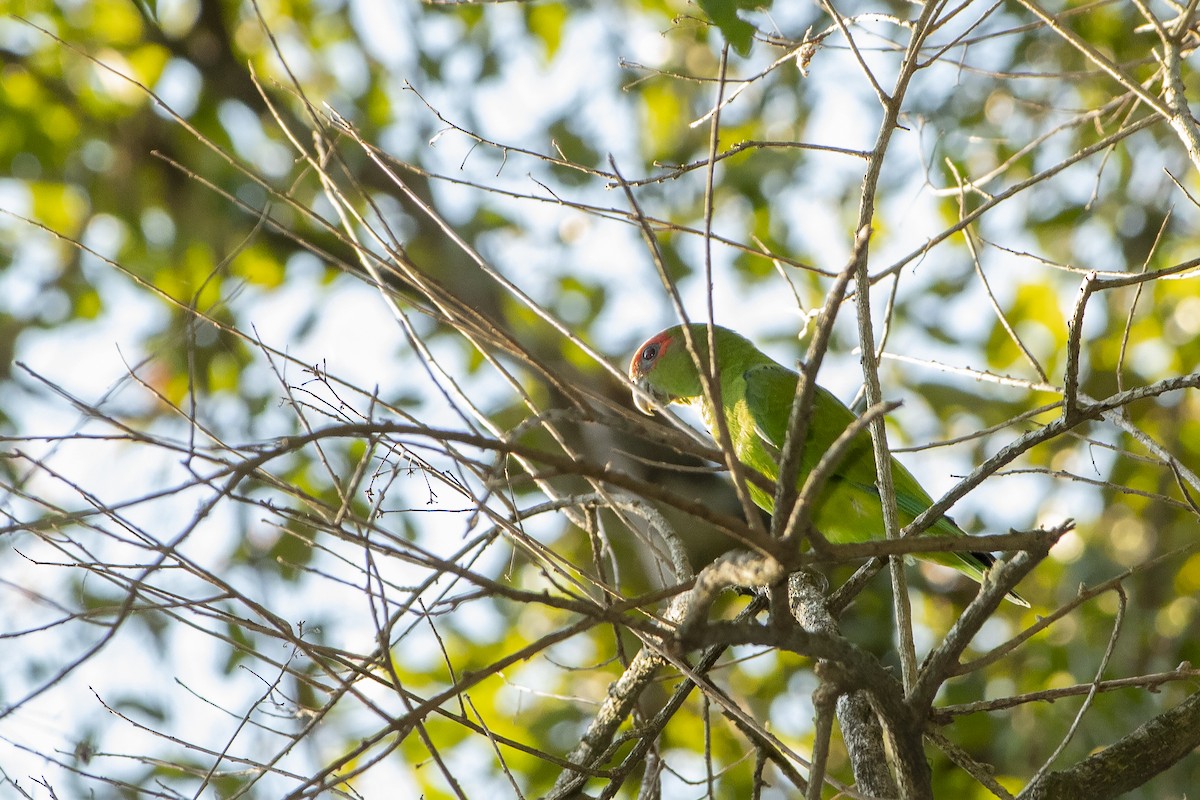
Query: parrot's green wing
x=850 y=508
x=770 y=390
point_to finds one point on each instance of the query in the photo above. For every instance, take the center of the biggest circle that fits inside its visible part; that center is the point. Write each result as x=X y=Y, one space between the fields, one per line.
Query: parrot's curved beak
x=640 y=398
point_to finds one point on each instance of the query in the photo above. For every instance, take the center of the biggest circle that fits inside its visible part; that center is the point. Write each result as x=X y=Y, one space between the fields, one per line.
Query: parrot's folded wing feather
x=770 y=390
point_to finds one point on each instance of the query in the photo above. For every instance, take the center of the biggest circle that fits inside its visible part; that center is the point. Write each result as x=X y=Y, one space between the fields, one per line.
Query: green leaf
x=546 y=21
x=736 y=30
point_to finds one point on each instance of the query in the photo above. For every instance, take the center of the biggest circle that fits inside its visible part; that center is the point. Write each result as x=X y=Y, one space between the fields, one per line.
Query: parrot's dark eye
x=650 y=353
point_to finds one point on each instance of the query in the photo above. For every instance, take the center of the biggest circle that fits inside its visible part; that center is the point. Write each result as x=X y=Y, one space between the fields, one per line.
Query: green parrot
x=756 y=398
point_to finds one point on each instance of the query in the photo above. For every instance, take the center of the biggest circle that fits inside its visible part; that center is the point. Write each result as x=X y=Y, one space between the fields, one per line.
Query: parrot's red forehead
x=651 y=350
x=662 y=339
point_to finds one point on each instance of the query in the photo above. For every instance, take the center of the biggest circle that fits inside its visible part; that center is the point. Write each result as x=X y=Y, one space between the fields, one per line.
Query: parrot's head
x=663 y=368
